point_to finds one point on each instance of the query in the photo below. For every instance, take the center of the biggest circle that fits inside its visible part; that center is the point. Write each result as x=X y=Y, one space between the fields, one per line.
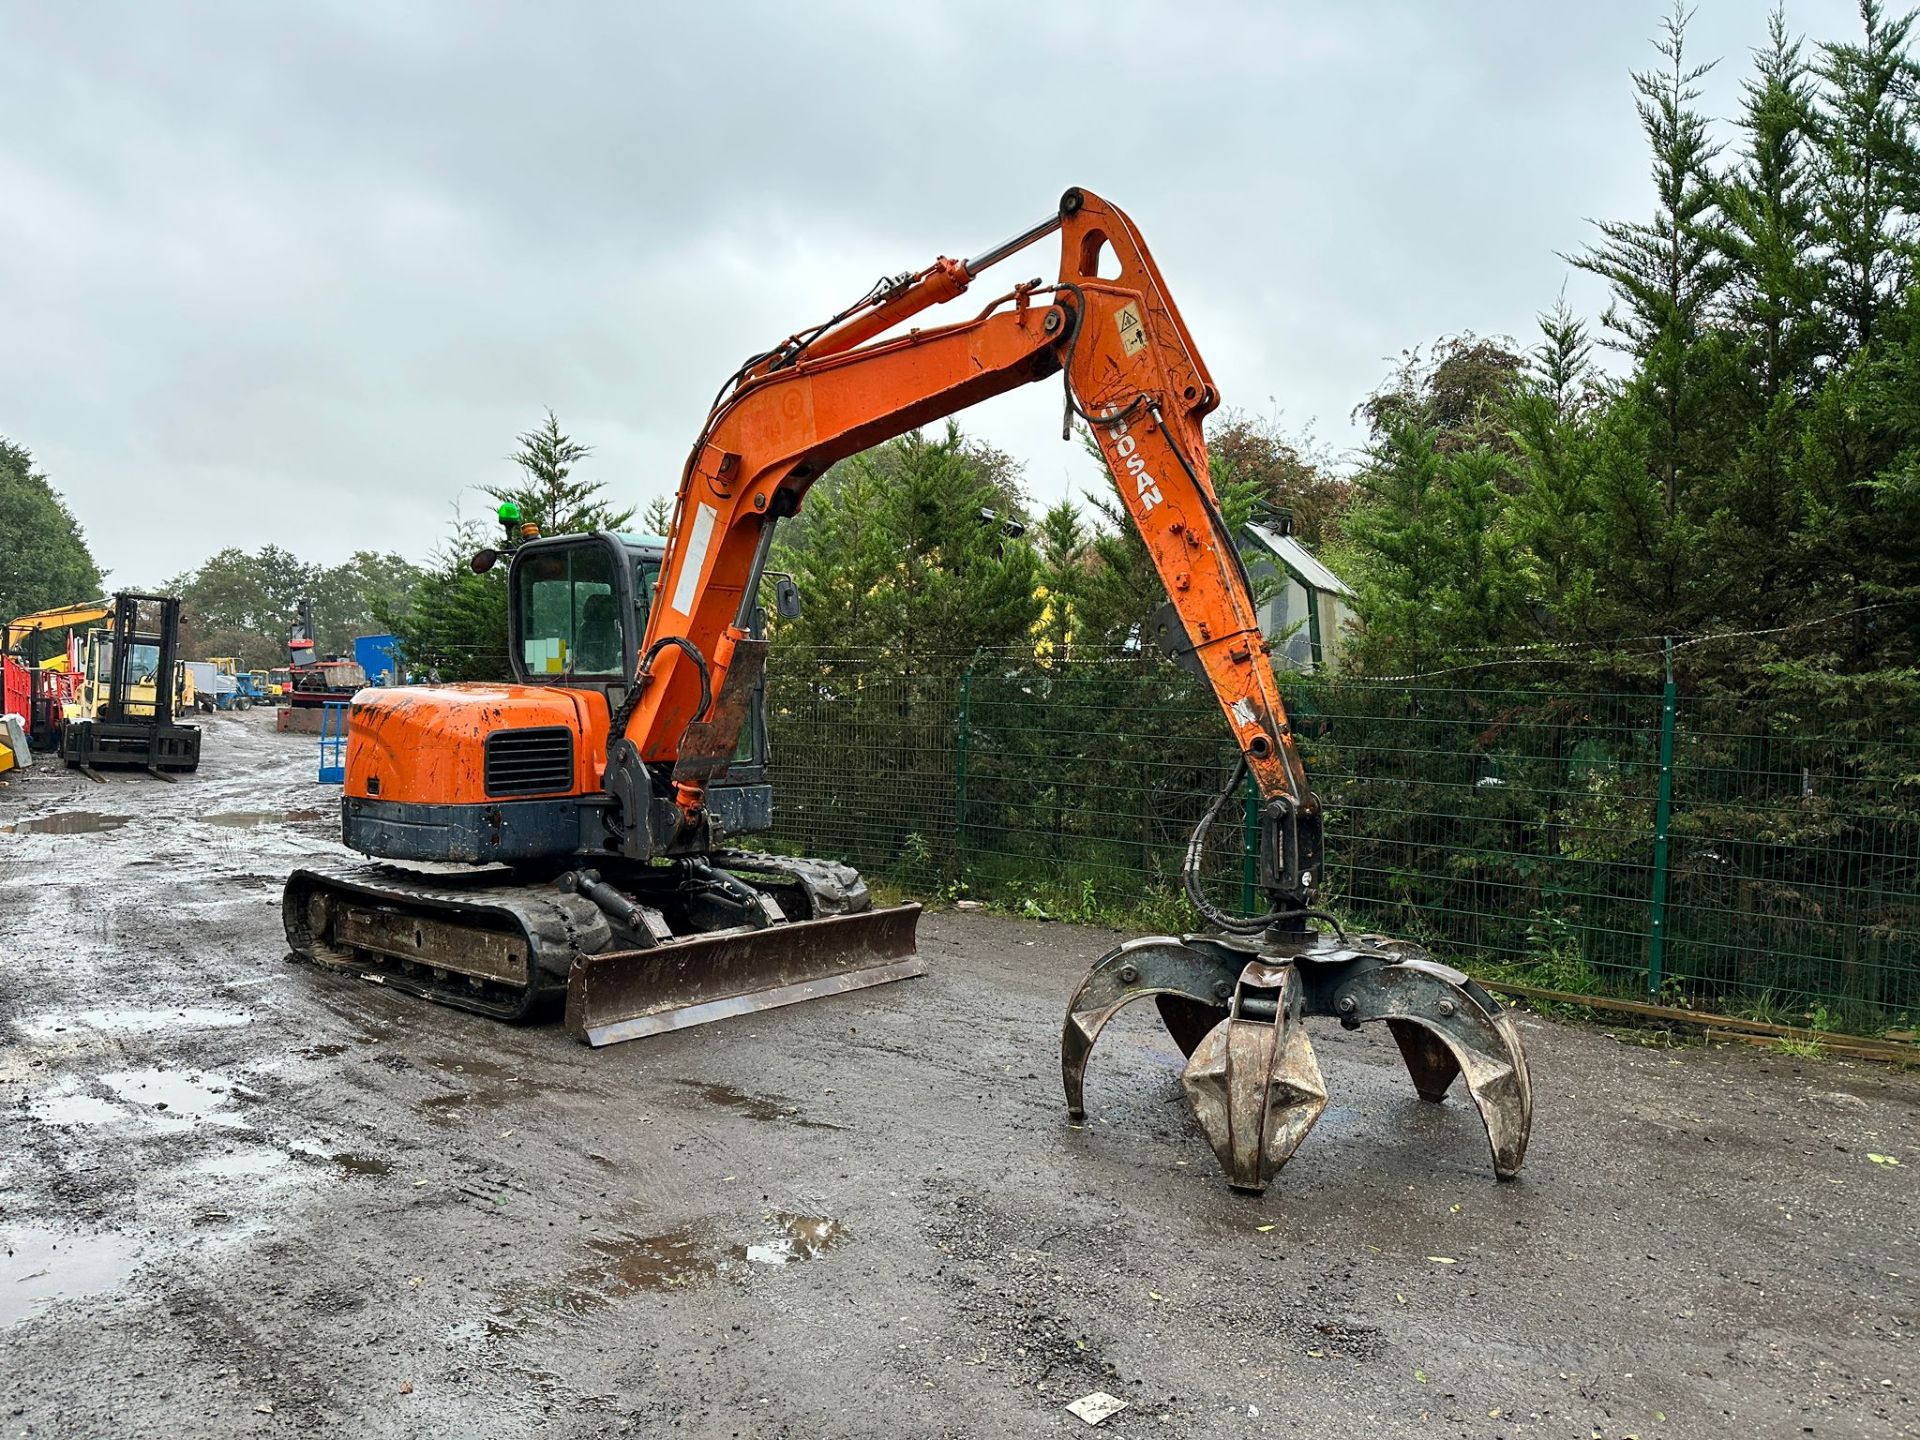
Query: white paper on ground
x=1096 y=1407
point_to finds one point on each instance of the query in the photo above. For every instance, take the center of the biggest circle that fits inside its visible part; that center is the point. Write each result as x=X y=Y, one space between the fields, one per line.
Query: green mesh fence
x=1513 y=830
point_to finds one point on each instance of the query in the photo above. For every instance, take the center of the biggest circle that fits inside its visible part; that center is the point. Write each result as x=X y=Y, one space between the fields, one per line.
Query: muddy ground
x=242 y=1196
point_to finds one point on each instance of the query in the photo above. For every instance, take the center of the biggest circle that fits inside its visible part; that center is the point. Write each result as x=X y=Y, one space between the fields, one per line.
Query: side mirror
x=483 y=561
x=786 y=598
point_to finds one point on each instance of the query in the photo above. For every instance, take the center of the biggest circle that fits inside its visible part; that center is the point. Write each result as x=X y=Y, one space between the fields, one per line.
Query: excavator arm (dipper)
x=1131 y=372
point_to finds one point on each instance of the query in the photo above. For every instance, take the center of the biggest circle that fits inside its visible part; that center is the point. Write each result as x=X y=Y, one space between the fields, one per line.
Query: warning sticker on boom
x=695 y=560
x=1133 y=335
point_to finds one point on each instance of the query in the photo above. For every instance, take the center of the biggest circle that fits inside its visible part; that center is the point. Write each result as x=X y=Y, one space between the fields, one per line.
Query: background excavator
x=39 y=691
x=601 y=788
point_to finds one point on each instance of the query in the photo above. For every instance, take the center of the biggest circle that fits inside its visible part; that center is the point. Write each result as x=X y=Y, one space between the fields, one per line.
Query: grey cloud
x=301 y=272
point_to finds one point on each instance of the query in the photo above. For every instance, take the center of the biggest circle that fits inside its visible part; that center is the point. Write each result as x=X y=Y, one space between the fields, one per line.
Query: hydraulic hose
x=1213 y=914
x=643 y=677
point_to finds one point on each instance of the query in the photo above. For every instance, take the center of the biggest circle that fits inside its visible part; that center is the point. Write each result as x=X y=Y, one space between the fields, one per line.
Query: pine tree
x=1668 y=275
x=547 y=495
x=1063 y=541
x=453 y=623
x=1766 y=234
x=1550 y=420
x=1665 y=272
x=911 y=550
x=1856 y=450
x=1766 y=229
x=656 y=517
x=1867 y=181
x=1437 y=572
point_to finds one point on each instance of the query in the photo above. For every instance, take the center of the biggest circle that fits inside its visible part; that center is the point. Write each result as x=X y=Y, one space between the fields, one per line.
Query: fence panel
x=1505 y=828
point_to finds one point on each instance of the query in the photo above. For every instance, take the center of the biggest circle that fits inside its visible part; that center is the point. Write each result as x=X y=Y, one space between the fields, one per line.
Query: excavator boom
x=1132 y=374
x=62 y=618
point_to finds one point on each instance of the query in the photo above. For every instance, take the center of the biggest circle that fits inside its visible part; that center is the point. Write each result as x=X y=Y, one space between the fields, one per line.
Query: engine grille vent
x=529 y=762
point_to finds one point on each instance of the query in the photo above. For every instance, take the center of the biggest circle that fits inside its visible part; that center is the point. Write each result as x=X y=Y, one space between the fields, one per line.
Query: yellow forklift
x=124 y=716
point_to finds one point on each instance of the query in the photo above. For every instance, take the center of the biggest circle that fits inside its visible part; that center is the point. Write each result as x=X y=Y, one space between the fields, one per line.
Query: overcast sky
x=299 y=273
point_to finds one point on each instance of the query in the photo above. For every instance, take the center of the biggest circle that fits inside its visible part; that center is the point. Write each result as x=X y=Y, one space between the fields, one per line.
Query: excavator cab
x=579 y=604
x=510 y=777
x=577 y=617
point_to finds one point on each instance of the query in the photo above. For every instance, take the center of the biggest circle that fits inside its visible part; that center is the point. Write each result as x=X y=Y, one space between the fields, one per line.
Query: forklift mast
x=126 y=726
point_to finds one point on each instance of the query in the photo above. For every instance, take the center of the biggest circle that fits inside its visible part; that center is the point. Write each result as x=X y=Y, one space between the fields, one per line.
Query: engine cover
x=474 y=744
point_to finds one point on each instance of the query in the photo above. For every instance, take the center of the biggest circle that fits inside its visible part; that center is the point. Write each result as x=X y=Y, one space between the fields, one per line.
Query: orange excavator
x=589 y=806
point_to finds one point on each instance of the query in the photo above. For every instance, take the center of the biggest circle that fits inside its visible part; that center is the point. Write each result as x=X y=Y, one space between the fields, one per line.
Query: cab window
x=569 y=605
x=646 y=574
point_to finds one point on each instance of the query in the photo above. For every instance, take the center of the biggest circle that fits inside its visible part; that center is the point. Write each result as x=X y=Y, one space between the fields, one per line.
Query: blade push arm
x=1132 y=373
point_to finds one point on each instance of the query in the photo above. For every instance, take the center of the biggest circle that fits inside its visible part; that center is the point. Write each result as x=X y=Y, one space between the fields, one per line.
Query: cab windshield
x=145 y=660
x=569 y=606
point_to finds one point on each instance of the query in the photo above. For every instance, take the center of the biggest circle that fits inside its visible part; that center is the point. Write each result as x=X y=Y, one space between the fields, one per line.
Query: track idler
x=1235 y=1007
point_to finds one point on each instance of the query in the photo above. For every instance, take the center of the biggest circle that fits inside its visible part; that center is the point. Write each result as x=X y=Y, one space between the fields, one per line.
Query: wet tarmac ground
x=241 y=1196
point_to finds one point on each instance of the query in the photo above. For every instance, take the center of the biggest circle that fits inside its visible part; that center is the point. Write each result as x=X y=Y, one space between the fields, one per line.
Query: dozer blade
x=629 y=994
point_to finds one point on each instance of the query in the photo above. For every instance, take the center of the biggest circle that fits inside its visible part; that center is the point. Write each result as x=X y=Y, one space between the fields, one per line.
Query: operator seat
x=598 y=652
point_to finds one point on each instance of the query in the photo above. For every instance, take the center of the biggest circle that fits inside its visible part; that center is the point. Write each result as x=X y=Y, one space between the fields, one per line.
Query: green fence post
x=1250 y=849
x=962 y=745
x=1662 y=821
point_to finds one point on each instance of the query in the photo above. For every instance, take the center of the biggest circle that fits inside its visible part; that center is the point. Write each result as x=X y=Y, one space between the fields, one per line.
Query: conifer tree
x=547 y=494
x=1868 y=178
x=1667 y=276
x=1766 y=229
x=912 y=550
x=1550 y=422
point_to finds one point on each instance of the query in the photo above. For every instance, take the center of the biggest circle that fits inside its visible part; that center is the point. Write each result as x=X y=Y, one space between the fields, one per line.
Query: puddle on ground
x=756 y=1107
x=316 y=1152
x=38 y=1267
x=67 y=822
x=627 y=1264
x=167 y=1097
x=498 y=1087
x=248 y=819
x=66 y=1102
x=802 y=1237
x=484 y=1069
x=170 y=1092
x=474 y=1334
x=441 y=1108
x=131 y=1022
x=250 y=1163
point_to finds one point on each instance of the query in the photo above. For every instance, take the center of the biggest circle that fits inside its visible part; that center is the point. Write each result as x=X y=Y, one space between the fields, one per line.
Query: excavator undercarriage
x=629 y=950
x=603 y=790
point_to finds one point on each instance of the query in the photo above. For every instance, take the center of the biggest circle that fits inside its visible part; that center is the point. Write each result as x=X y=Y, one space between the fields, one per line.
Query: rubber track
x=556 y=926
